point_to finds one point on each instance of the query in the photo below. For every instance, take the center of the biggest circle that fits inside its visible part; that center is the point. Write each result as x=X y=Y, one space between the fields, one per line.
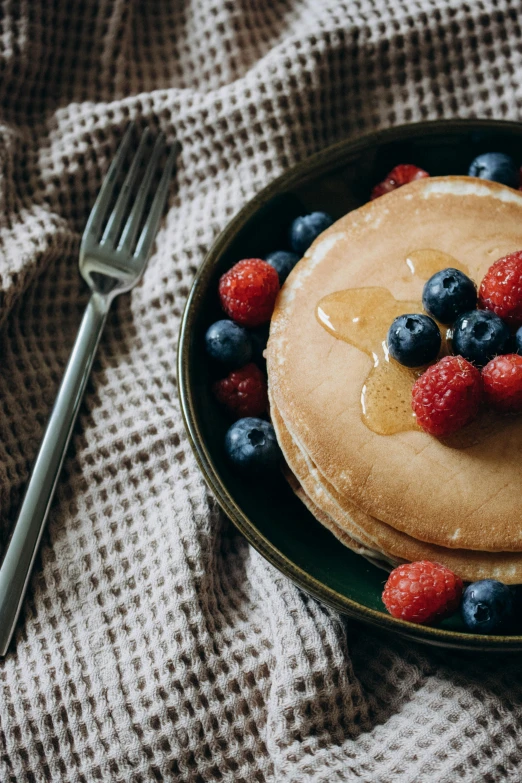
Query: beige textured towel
x=155 y=644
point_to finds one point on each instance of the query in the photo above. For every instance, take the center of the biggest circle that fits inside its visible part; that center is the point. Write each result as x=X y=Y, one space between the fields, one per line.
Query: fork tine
x=101 y=205
x=113 y=227
x=151 y=224
x=133 y=222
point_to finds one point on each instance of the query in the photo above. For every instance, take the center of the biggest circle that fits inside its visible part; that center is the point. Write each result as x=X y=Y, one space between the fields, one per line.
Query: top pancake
x=456 y=497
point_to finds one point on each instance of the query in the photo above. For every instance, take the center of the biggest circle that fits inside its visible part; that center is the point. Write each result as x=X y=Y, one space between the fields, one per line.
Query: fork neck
x=99 y=305
x=84 y=349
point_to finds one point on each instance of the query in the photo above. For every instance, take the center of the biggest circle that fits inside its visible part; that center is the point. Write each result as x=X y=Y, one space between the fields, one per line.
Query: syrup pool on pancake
x=361 y=317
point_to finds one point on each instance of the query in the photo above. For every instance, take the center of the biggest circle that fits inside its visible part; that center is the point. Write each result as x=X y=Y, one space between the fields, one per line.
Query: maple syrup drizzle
x=424 y=263
x=362 y=317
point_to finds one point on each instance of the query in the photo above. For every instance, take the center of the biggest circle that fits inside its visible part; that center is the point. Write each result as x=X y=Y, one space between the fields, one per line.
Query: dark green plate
x=272 y=518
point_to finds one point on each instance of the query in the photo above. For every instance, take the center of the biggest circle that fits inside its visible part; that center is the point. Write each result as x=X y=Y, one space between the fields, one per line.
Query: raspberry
x=501 y=289
x=400 y=175
x=422 y=592
x=243 y=392
x=248 y=292
x=502 y=380
x=447 y=396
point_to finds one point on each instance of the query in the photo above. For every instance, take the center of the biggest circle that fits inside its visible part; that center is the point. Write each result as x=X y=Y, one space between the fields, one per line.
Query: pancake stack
x=406 y=495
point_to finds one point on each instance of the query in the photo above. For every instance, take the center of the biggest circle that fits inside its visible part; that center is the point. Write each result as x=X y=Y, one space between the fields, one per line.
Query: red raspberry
x=501 y=289
x=422 y=592
x=400 y=175
x=447 y=396
x=248 y=292
x=502 y=380
x=243 y=392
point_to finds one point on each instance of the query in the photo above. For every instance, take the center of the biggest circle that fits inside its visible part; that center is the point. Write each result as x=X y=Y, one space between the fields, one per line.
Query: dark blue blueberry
x=228 y=343
x=259 y=339
x=283 y=262
x=518 y=341
x=251 y=446
x=448 y=294
x=486 y=606
x=496 y=166
x=305 y=229
x=516 y=612
x=516 y=596
x=479 y=336
x=414 y=340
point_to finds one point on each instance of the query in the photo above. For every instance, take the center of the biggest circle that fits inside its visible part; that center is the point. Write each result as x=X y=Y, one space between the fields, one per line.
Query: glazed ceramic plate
x=274 y=521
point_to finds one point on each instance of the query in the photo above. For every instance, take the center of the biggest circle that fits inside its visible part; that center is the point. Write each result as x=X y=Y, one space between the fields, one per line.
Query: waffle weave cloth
x=155 y=644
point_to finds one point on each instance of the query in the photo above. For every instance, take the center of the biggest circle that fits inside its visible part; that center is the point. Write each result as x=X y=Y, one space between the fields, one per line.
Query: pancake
x=460 y=498
x=357 y=530
x=374 y=556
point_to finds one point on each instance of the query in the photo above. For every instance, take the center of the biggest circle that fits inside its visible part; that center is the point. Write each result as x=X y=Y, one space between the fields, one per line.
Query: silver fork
x=112 y=261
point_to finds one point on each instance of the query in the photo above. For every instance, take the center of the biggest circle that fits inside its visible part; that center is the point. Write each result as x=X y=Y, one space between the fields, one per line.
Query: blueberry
x=283 y=262
x=447 y=294
x=228 y=343
x=496 y=166
x=486 y=605
x=259 y=339
x=516 y=597
x=305 y=229
x=414 y=340
x=479 y=335
x=251 y=446
x=518 y=341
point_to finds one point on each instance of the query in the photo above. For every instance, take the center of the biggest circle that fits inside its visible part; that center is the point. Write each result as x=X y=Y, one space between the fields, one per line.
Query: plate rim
x=327 y=595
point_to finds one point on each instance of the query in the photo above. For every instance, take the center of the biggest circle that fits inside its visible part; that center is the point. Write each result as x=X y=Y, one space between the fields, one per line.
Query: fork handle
x=21 y=551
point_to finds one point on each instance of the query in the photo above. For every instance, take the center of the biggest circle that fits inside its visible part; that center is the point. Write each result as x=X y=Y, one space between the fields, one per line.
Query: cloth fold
x=154 y=643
